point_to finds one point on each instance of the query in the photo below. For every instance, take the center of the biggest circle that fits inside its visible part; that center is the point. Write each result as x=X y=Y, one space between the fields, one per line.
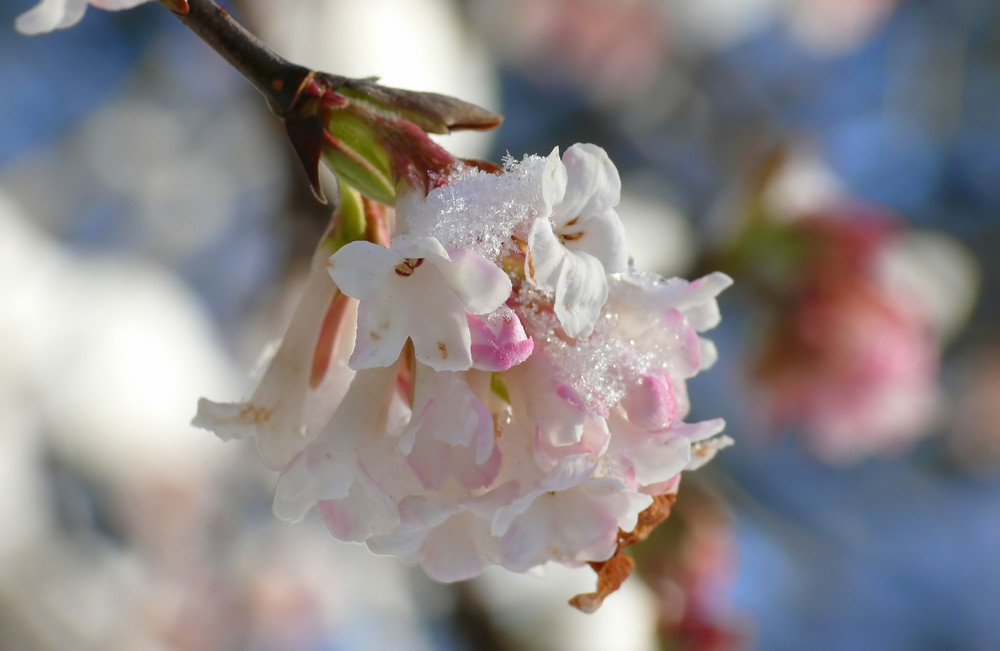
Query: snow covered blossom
x=514 y=393
x=49 y=15
x=579 y=239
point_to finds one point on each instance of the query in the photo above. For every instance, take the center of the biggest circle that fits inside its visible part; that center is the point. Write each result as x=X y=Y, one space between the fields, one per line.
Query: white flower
x=451 y=433
x=540 y=410
x=576 y=524
x=417 y=290
x=581 y=240
x=331 y=472
x=304 y=381
x=48 y=15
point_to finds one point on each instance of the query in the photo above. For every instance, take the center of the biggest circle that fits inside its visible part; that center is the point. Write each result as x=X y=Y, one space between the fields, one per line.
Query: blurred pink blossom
x=850 y=360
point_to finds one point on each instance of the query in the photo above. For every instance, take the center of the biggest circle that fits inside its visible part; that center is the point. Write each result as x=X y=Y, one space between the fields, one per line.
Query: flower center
x=408 y=266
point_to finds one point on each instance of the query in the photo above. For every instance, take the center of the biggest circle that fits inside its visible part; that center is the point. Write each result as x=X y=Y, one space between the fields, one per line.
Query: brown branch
x=276 y=78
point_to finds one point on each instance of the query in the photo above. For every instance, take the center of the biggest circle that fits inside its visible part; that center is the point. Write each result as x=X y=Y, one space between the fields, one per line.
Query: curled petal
x=554 y=179
x=593 y=185
x=545 y=255
x=602 y=236
x=650 y=403
x=580 y=293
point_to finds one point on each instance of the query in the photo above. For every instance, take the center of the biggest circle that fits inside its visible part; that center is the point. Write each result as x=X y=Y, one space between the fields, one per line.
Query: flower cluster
x=852 y=358
x=496 y=386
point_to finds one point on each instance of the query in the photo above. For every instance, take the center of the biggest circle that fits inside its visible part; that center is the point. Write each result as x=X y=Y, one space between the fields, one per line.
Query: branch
x=275 y=77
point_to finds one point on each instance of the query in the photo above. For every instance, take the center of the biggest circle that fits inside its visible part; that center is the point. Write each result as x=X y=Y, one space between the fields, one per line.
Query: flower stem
x=276 y=78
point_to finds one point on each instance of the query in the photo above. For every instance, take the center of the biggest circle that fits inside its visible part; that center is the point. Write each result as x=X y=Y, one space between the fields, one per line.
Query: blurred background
x=840 y=159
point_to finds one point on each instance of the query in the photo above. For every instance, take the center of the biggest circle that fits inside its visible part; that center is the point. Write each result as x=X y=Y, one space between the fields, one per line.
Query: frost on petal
x=540 y=416
x=571 y=250
x=650 y=403
x=539 y=408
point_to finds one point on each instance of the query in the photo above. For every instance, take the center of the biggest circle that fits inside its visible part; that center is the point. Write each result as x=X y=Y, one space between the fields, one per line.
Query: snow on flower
x=49 y=15
x=580 y=240
x=518 y=394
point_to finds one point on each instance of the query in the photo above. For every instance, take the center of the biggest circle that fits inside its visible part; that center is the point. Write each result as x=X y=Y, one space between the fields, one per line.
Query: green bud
x=354 y=151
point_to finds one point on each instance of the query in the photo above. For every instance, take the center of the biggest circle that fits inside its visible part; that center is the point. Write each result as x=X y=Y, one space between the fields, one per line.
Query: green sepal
x=349 y=225
x=356 y=155
x=499 y=387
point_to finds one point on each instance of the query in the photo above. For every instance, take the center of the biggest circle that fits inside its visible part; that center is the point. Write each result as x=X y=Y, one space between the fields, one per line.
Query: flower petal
x=498 y=340
x=381 y=333
x=554 y=180
x=580 y=294
x=360 y=268
x=544 y=258
x=439 y=330
x=601 y=235
x=593 y=185
x=48 y=15
x=481 y=285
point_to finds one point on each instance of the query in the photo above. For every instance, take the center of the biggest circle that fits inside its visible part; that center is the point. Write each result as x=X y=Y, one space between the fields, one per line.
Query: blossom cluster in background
x=495 y=387
x=855 y=311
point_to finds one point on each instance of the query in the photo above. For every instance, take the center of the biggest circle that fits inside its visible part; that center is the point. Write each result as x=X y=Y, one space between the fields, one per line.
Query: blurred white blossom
x=48 y=15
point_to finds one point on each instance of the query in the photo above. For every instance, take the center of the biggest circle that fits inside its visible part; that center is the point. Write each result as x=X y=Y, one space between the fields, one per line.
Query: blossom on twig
x=520 y=394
